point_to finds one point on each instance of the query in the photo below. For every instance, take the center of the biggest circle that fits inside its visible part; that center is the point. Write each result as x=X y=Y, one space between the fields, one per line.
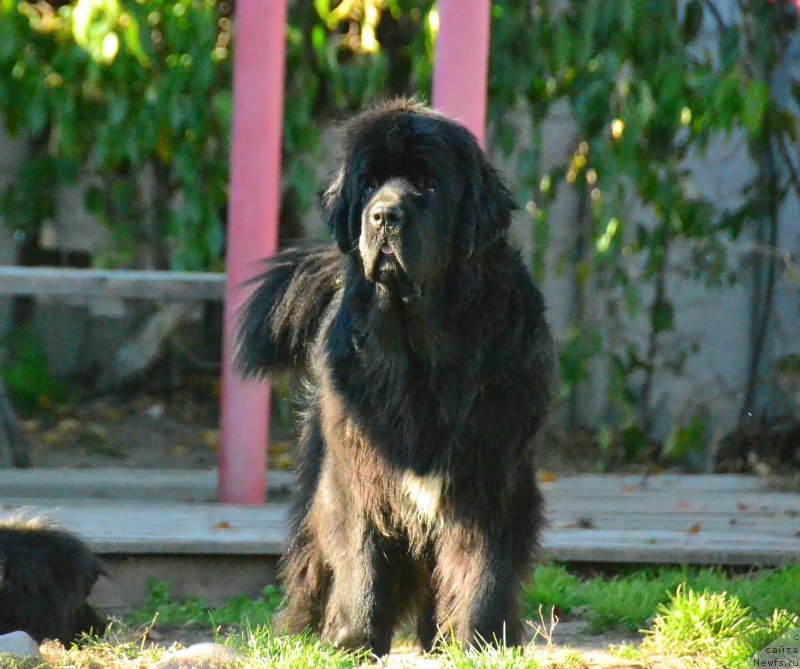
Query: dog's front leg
x=477 y=587
x=361 y=612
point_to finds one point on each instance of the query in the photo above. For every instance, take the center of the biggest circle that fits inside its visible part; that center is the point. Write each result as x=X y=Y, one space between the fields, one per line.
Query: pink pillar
x=462 y=62
x=252 y=233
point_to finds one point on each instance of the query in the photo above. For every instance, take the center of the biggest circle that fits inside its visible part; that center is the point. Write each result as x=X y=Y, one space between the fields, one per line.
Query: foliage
x=453 y=656
x=131 y=99
x=715 y=629
x=193 y=611
x=134 y=96
x=646 y=91
x=630 y=600
x=262 y=648
x=686 y=612
x=27 y=375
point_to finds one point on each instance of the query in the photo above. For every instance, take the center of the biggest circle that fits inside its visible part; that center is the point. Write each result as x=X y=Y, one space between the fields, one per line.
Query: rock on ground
x=19 y=644
x=199 y=656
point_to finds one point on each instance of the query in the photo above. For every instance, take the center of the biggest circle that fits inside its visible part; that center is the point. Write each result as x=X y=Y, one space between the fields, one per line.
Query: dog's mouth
x=387 y=262
x=385 y=254
x=384 y=264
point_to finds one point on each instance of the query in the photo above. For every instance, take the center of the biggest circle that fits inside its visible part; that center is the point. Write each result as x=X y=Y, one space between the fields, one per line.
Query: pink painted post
x=252 y=234
x=462 y=62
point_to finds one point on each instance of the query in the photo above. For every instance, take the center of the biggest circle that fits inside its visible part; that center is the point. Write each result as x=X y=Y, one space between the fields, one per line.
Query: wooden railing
x=131 y=284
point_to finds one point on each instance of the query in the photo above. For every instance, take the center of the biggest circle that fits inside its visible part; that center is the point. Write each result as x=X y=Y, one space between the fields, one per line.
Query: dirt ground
x=148 y=426
x=141 y=427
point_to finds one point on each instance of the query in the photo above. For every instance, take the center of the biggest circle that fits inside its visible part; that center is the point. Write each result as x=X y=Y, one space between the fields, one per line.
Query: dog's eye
x=428 y=185
x=372 y=184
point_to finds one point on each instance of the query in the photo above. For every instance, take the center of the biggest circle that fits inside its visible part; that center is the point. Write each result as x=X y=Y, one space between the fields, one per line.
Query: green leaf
x=726 y=100
x=729 y=41
x=28 y=374
x=756 y=98
x=633 y=299
x=323 y=8
x=686 y=439
x=662 y=316
x=132 y=42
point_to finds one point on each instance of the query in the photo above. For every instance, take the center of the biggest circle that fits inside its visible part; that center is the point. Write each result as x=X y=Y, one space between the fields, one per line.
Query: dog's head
x=414 y=192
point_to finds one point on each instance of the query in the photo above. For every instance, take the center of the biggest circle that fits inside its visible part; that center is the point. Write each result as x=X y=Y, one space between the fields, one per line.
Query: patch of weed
x=193 y=611
x=453 y=656
x=713 y=629
x=631 y=600
x=260 y=647
x=552 y=586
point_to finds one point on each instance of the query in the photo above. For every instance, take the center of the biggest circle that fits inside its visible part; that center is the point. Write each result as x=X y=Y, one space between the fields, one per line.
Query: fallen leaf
x=581 y=524
x=112 y=414
x=97 y=432
x=210 y=439
x=31 y=425
x=546 y=477
x=68 y=426
x=694 y=529
x=179 y=450
x=52 y=438
x=222 y=525
x=277 y=447
x=283 y=462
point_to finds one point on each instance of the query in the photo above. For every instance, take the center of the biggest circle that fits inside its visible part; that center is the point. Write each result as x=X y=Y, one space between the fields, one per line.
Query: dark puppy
x=430 y=367
x=46 y=575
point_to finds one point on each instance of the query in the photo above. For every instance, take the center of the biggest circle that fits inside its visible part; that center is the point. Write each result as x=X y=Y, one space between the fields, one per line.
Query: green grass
x=630 y=601
x=453 y=656
x=702 y=618
x=627 y=602
x=260 y=648
x=714 y=629
x=193 y=611
x=706 y=616
x=257 y=648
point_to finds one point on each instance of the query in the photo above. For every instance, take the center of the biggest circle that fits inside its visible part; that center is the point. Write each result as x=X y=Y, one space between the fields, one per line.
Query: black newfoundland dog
x=46 y=575
x=430 y=366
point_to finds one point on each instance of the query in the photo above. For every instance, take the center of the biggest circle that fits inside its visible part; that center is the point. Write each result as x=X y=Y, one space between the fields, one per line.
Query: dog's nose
x=386 y=215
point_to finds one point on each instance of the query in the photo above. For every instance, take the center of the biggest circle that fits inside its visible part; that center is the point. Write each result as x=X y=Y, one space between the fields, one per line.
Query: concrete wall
x=715 y=319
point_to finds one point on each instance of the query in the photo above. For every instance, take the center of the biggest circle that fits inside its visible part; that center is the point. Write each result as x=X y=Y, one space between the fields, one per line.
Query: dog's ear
x=486 y=205
x=336 y=211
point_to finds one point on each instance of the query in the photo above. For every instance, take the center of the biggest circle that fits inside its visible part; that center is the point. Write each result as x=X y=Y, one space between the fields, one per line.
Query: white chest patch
x=425 y=492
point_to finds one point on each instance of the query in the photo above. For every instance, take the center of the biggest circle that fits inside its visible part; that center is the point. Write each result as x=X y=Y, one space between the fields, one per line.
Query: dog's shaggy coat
x=46 y=575
x=430 y=368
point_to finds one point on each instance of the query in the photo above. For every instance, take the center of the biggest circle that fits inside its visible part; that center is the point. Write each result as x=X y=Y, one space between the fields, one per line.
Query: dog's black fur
x=46 y=575
x=430 y=367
